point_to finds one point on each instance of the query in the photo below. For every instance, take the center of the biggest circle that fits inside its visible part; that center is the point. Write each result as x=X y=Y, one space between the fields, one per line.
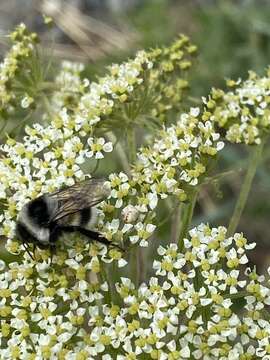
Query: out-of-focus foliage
x=234 y=37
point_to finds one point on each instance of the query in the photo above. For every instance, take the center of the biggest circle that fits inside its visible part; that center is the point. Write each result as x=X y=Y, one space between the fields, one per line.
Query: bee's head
x=38 y=211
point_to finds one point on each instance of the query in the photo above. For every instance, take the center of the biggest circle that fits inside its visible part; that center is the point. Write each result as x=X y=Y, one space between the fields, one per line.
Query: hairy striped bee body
x=43 y=220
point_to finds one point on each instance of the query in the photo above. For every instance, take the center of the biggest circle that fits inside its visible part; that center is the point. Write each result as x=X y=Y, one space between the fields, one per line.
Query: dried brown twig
x=93 y=37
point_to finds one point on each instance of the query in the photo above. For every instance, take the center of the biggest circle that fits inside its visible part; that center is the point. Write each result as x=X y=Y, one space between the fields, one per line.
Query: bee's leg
x=27 y=250
x=34 y=250
x=97 y=237
x=55 y=232
x=91 y=235
x=52 y=251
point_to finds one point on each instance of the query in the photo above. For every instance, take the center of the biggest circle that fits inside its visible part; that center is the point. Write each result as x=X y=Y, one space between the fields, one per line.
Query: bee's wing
x=79 y=196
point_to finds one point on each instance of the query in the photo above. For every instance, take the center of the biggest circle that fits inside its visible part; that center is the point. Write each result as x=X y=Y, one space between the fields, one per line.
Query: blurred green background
x=233 y=37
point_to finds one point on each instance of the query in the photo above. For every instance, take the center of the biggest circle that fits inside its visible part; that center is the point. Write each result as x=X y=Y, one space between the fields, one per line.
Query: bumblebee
x=72 y=209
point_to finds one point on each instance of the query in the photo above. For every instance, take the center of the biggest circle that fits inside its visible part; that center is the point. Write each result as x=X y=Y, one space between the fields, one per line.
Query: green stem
x=131 y=141
x=254 y=160
x=135 y=255
x=175 y=225
x=134 y=274
x=3 y=126
x=47 y=105
x=104 y=277
x=187 y=217
x=120 y=152
x=239 y=295
x=18 y=128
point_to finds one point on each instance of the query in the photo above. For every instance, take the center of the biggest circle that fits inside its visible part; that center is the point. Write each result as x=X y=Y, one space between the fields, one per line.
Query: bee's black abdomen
x=38 y=211
x=85 y=216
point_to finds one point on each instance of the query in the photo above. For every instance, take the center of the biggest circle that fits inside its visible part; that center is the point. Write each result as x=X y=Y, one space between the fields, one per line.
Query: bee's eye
x=38 y=211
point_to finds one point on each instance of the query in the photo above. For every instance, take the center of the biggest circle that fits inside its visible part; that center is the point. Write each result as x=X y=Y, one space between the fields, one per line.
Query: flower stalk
x=254 y=161
x=176 y=224
x=136 y=258
x=187 y=217
x=104 y=278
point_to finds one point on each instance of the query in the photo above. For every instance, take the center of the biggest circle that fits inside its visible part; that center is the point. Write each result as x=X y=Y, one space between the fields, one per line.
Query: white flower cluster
x=173 y=165
x=69 y=86
x=187 y=310
x=180 y=155
x=92 y=100
x=243 y=112
x=41 y=309
x=51 y=156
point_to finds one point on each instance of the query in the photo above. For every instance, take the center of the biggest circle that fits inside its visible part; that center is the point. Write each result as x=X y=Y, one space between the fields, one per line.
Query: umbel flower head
x=48 y=157
x=174 y=164
x=243 y=111
x=52 y=155
x=186 y=310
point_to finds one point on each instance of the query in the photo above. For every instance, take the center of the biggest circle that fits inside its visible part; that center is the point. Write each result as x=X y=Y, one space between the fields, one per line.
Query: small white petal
x=185 y=352
x=108 y=147
x=195 y=111
x=122 y=263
